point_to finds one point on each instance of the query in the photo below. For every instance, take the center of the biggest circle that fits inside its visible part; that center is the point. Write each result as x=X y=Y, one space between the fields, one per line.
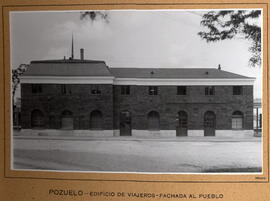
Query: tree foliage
x=228 y=24
x=95 y=15
x=16 y=73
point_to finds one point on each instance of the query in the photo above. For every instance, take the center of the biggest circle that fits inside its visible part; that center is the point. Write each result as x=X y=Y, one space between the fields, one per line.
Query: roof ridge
x=67 y=61
x=157 y=68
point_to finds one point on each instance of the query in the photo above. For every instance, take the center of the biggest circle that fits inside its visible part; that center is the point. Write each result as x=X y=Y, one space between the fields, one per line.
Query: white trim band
x=66 y=80
x=183 y=82
x=133 y=81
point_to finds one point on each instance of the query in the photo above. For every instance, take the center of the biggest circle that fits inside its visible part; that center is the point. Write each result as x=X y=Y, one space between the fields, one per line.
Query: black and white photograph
x=139 y=91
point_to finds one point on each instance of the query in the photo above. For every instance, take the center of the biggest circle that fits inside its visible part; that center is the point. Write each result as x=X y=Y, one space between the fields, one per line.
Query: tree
x=229 y=24
x=16 y=73
x=95 y=15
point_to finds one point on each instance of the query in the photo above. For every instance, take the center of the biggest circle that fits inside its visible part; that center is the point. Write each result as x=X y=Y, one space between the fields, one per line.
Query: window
x=125 y=90
x=237 y=120
x=36 y=88
x=153 y=90
x=65 y=89
x=153 y=120
x=37 y=119
x=52 y=121
x=181 y=90
x=95 y=90
x=237 y=90
x=67 y=120
x=210 y=91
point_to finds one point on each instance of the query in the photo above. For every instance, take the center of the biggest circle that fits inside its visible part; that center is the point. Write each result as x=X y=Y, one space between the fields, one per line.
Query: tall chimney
x=82 y=53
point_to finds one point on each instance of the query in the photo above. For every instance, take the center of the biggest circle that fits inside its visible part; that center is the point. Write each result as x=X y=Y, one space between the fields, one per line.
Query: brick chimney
x=82 y=53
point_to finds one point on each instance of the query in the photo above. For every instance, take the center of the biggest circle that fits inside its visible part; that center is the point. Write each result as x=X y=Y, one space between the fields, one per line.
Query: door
x=125 y=123
x=96 y=120
x=182 y=127
x=209 y=123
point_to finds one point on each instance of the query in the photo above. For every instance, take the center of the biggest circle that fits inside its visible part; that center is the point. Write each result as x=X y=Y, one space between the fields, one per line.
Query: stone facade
x=86 y=97
x=78 y=100
x=110 y=102
x=167 y=103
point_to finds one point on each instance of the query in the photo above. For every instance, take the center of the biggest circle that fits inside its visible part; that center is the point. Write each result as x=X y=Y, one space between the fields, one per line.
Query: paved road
x=138 y=155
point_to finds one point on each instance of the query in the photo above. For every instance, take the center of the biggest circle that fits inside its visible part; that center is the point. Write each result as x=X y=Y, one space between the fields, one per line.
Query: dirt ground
x=138 y=155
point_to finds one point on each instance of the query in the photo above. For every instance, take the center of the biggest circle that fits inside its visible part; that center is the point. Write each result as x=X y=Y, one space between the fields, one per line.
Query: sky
x=131 y=38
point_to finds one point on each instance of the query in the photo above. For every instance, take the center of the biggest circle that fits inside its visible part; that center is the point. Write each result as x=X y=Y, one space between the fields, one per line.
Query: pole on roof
x=72 y=48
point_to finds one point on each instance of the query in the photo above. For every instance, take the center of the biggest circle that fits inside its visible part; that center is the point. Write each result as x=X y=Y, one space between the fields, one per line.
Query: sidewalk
x=132 y=138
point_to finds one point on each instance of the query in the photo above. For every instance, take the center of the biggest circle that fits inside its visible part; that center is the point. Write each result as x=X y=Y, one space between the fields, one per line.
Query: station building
x=86 y=97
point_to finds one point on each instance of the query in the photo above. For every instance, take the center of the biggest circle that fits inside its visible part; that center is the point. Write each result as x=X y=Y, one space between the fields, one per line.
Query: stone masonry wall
x=110 y=102
x=80 y=102
x=195 y=104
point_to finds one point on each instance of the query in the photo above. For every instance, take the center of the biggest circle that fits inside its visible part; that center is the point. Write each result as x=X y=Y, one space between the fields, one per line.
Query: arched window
x=67 y=120
x=153 y=120
x=37 y=119
x=237 y=120
x=96 y=120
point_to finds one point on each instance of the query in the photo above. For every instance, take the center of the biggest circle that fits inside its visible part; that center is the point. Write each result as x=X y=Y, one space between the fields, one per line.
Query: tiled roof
x=76 y=67
x=173 y=73
x=73 y=67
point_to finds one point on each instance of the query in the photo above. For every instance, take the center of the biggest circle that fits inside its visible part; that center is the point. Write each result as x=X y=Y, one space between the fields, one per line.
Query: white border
x=156 y=10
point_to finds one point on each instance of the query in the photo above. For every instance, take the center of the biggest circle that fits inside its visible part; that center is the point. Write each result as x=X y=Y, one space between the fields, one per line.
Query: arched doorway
x=125 y=123
x=96 y=120
x=153 y=120
x=209 y=123
x=37 y=119
x=237 y=120
x=67 y=120
x=182 y=124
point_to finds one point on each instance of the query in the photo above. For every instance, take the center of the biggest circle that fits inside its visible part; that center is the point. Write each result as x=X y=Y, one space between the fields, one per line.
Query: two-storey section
x=182 y=102
x=73 y=96
x=85 y=97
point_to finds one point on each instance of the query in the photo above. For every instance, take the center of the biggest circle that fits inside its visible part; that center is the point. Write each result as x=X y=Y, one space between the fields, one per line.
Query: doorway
x=125 y=123
x=182 y=127
x=209 y=124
